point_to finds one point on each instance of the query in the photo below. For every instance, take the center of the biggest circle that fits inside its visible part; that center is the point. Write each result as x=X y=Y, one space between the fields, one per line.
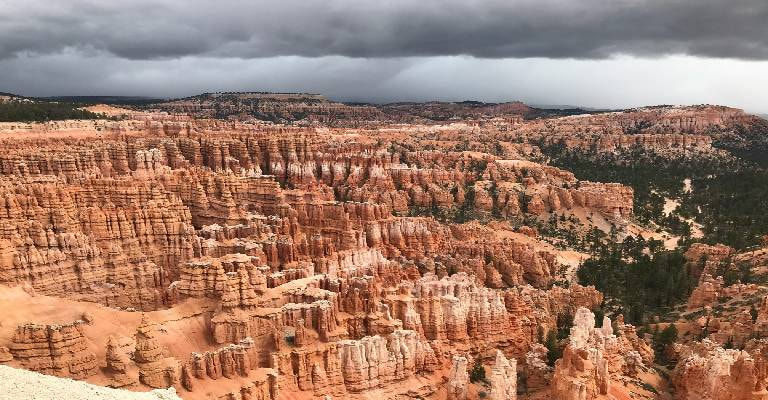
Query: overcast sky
x=597 y=53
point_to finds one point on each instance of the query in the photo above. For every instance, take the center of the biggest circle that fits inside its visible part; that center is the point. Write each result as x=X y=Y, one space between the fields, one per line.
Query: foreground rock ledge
x=20 y=384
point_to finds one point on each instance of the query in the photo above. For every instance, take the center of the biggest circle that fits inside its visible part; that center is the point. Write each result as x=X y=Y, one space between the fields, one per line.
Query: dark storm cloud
x=387 y=28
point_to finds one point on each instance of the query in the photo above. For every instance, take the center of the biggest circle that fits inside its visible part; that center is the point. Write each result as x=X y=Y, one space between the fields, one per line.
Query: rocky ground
x=384 y=255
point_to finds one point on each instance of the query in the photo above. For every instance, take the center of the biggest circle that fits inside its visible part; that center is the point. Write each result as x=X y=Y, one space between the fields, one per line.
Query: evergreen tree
x=564 y=324
x=478 y=372
x=668 y=335
x=554 y=352
x=662 y=340
x=753 y=312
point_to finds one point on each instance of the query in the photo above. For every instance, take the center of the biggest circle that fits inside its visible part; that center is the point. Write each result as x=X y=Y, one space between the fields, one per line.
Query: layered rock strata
x=59 y=350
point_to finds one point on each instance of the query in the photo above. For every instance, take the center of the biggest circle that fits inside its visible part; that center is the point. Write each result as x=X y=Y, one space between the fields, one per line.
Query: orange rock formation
x=359 y=251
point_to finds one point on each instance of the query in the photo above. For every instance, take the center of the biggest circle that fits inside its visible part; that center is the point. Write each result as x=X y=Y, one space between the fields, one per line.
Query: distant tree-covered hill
x=113 y=100
x=39 y=111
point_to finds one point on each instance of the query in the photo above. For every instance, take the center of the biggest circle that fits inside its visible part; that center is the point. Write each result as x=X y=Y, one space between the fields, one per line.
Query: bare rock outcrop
x=503 y=378
x=583 y=373
x=5 y=354
x=706 y=371
x=354 y=366
x=594 y=357
x=117 y=365
x=458 y=379
x=155 y=370
x=59 y=350
x=705 y=260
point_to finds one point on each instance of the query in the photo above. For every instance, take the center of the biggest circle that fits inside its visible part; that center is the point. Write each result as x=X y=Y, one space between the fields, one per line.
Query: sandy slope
x=182 y=328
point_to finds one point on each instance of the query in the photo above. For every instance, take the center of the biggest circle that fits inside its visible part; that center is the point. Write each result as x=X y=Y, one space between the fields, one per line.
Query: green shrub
x=478 y=372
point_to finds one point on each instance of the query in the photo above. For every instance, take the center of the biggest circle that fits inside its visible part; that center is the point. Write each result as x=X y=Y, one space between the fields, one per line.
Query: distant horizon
x=552 y=106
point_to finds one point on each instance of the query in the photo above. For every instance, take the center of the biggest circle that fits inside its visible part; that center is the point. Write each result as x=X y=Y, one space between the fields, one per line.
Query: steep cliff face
x=583 y=371
x=455 y=308
x=235 y=363
x=116 y=242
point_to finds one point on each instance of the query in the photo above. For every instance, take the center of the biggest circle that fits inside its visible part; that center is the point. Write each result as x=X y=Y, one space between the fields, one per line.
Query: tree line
x=29 y=111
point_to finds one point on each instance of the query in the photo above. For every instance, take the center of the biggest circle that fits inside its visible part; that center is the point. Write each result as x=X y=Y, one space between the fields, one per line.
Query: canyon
x=260 y=246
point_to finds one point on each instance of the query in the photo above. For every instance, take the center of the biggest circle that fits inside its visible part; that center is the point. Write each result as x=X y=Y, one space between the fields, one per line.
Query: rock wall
x=707 y=371
x=232 y=362
x=353 y=366
x=59 y=350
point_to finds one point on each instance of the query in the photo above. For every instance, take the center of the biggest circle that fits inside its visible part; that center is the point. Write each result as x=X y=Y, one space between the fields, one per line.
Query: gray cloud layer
x=390 y=50
x=595 y=29
x=616 y=82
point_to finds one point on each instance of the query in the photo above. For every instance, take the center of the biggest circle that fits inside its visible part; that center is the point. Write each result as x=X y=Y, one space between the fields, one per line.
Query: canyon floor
x=255 y=246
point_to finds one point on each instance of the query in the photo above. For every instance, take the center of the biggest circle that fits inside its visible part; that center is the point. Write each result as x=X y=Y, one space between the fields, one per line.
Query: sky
x=592 y=53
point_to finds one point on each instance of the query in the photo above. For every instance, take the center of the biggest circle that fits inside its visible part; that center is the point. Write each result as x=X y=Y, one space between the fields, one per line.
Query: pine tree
x=753 y=312
x=478 y=372
x=554 y=352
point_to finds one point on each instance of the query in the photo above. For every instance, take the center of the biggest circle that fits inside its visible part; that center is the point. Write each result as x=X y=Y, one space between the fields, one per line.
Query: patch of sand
x=109 y=110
